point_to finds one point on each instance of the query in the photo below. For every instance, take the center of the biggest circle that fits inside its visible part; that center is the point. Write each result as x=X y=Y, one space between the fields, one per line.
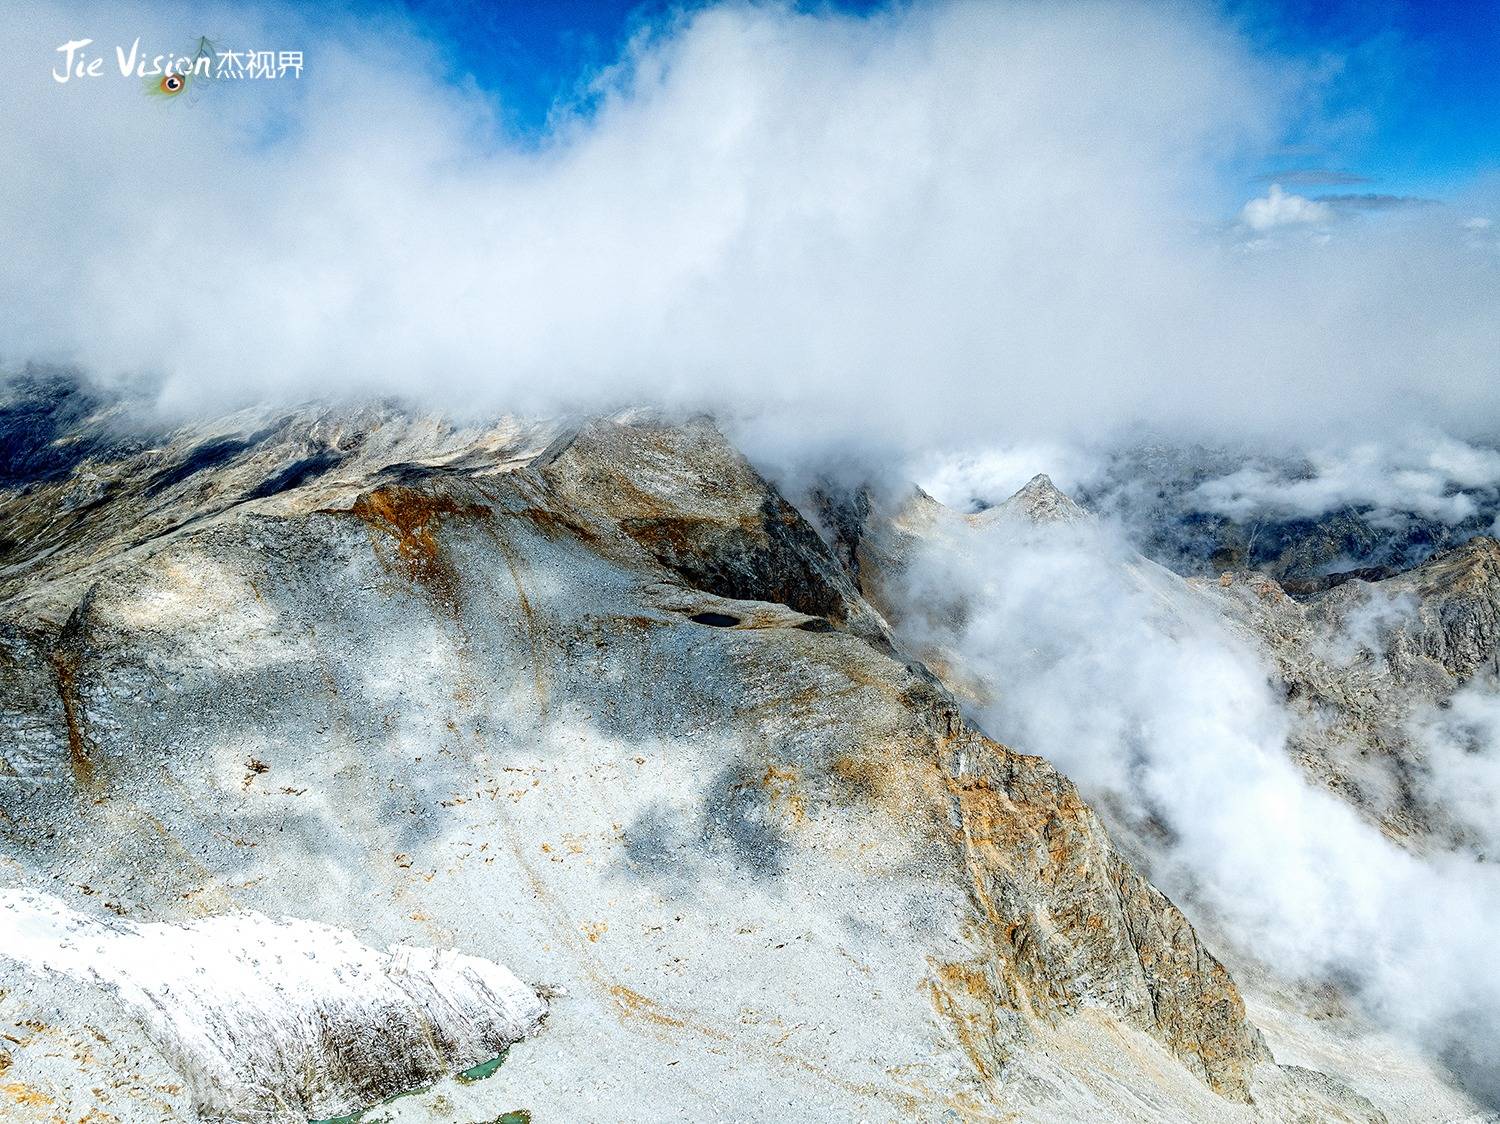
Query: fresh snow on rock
x=280 y=1019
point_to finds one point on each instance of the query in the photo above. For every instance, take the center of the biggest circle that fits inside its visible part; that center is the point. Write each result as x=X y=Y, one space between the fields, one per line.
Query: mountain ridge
x=470 y=638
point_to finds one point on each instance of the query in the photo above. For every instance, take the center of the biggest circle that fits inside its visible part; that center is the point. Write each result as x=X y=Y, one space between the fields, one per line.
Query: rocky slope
x=592 y=701
x=1355 y=661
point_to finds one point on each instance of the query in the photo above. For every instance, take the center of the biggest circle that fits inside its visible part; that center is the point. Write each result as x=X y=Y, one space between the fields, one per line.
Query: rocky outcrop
x=1103 y=936
x=697 y=508
x=1456 y=619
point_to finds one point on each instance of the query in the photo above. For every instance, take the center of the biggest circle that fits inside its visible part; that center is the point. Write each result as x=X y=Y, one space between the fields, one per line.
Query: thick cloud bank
x=942 y=222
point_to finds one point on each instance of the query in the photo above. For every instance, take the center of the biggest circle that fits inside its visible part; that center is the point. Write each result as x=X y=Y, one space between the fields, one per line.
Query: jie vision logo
x=174 y=73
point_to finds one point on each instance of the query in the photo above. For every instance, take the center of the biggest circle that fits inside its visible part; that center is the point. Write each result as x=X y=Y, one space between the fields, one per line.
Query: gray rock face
x=600 y=705
x=1357 y=661
x=1457 y=620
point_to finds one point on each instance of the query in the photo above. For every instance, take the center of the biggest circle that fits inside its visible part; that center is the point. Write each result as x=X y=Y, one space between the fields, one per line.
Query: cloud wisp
x=1282 y=208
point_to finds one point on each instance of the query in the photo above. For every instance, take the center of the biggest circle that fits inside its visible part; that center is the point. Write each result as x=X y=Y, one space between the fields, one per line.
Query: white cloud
x=939 y=225
x=1280 y=209
x=1462 y=767
x=1424 y=474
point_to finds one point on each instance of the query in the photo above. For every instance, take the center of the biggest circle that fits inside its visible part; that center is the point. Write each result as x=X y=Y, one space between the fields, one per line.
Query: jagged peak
x=1039 y=500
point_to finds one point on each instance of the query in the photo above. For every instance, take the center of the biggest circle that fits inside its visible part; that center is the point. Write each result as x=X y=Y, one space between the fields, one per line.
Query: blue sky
x=1421 y=78
x=531 y=53
x=1426 y=71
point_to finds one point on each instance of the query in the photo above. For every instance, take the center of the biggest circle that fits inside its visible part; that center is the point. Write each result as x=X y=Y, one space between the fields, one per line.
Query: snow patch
x=280 y=1019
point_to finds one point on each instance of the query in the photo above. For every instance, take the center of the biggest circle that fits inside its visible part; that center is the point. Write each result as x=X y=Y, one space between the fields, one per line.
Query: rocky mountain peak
x=1039 y=501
